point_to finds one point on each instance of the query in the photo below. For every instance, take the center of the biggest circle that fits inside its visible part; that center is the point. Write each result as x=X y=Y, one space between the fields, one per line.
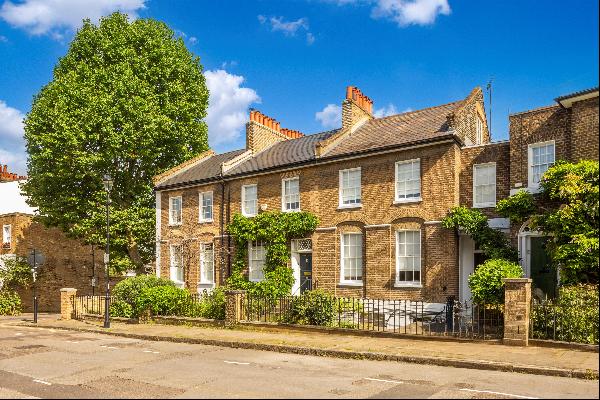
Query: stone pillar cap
x=70 y=289
x=517 y=280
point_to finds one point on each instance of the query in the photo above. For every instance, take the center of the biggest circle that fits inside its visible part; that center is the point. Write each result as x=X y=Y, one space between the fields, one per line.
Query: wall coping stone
x=517 y=280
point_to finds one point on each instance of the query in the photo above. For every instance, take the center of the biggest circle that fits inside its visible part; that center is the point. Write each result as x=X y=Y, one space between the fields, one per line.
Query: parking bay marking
x=236 y=362
x=498 y=393
x=383 y=380
x=42 y=382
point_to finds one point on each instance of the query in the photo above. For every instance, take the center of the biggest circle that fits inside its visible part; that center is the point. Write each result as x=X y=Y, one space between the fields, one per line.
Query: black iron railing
x=568 y=322
x=395 y=316
x=90 y=305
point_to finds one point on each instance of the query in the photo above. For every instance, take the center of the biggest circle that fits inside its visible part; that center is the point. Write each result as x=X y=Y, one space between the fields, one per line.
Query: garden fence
x=456 y=319
x=573 y=321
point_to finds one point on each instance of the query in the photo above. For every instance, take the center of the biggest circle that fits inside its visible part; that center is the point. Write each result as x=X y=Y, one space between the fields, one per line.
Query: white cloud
x=411 y=12
x=3 y=39
x=289 y=28
x=403 y=12
x=228 y=106
x=388 y=110
x=52 y=17
x=193 y=40
x=12 y=147
x=330 y=117
x=11 y=123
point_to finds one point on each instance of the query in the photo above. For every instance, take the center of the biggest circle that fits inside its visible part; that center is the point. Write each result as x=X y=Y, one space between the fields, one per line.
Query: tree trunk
x=134 y=254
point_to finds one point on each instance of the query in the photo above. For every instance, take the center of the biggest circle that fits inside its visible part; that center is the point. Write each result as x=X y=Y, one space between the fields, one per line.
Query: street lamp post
x=35 y=259
x=107 y=180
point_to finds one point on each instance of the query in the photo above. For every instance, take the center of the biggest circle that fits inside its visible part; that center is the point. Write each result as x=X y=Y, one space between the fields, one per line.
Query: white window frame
x=398 y=199
x=413 y=283
x=535 y=185
x=201 y=206
x=285 y=196
x=353 y=282
x=203 y=261
x=475 y=185
x=171 y=221
x=479 y=130
x=173 y=267
x=251 y=261
x=244 y=212
x=341 y=188
x=7 y=237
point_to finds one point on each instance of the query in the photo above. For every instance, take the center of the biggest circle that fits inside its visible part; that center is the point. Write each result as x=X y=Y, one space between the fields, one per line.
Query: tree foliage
x=128 y=99
x=274 y=229
x=566 y=209
x=492 y=242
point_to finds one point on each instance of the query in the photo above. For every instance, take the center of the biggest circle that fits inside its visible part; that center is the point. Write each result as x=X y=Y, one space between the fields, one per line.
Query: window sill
x=175 y=225
x=206 y=221
x=349 y=206
x=350 y=284
x=290 y=211
x=484 y=205
x=249 y=215
x=408 y=286
x=408 y=201
x=178 y=283
x=205 y=285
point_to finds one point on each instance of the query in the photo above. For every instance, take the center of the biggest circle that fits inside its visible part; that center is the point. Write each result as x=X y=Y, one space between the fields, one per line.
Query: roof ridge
x=419 y=110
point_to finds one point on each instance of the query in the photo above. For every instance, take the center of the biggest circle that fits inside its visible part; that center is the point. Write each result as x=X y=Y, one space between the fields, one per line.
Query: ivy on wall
x=274 y=229
x=492 y=242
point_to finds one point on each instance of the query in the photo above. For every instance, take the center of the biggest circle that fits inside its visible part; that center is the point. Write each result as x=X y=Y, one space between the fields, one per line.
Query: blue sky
x=293 y=59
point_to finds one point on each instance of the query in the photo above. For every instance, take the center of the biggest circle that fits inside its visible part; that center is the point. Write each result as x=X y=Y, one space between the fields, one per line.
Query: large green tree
x=128 y=99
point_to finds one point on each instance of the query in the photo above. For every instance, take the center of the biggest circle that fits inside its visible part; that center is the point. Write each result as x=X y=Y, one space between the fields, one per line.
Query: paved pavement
x=51 y=363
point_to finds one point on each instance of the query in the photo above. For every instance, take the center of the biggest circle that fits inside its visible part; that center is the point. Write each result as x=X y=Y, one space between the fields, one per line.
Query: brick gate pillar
x=517 y=303
x=234 y=305
x=66 y=302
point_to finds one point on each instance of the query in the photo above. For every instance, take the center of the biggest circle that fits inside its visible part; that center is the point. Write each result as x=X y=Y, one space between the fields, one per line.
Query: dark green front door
x=542 y=273
x=305 y=272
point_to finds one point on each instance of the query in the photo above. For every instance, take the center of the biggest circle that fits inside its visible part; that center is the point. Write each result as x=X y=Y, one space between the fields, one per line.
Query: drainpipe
x=228 y=236
x=221 y=230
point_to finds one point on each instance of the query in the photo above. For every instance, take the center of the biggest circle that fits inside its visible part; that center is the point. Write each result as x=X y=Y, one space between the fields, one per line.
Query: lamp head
x=108 y=182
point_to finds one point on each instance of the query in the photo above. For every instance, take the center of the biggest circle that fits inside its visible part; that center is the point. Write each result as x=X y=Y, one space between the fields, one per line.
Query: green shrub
x=572 y=317
x=314 y=307
x=214 y=305
x=10 y=302
x=121 y=308
x=486 y=282
x=129 y=289
x=163 y=300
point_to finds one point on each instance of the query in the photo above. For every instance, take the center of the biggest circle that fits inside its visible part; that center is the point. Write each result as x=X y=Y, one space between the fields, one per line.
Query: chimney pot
x=349 y=90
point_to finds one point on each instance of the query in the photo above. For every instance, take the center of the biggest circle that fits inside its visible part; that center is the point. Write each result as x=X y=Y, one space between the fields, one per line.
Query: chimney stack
x=356 y=108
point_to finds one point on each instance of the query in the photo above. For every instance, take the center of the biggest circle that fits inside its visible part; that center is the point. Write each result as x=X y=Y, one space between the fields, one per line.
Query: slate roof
x=376 y=134
x=575 y=94
x=210 y=168
x=396 y=130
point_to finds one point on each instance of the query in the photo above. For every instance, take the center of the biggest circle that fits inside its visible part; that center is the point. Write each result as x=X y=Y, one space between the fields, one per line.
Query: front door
x=543 y=274
x=305 y=272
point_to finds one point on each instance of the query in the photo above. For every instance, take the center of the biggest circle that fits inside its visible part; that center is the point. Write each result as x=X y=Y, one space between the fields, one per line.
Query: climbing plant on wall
x=274 y=229
x=492 y=242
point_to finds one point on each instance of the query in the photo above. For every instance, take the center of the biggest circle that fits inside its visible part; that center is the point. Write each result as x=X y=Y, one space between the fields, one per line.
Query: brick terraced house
x=67 y=262
x=379 y=186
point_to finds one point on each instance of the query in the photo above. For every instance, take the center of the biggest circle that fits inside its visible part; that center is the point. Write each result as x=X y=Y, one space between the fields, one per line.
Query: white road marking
x=18 y=334
x=383 y=380
x=71 y=341
x=42 y=382
x=499 y=393
x=108 y=347
x=236 y=362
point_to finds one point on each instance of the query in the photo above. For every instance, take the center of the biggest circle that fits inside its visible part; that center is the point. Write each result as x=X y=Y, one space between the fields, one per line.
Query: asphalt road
x=46 y=363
